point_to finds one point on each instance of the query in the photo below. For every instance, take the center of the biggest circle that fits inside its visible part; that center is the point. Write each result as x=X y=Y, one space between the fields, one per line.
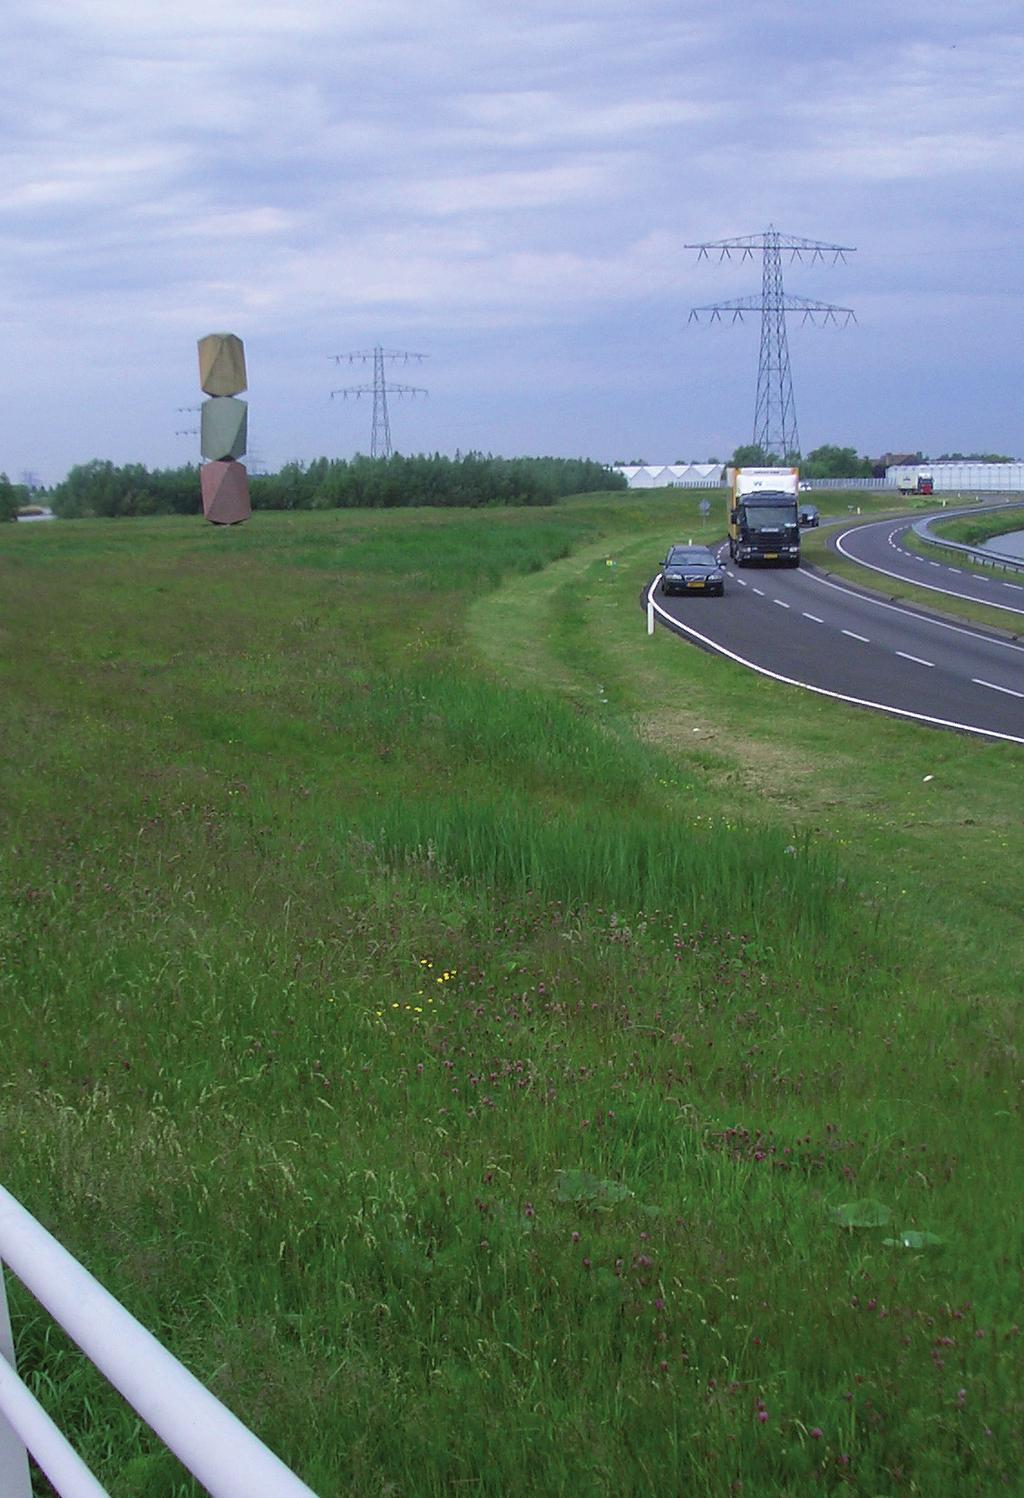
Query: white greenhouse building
x=672 y=475
x=960 y=477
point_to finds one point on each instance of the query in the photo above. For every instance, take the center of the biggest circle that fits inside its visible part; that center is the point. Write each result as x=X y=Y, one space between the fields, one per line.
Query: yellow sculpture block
x=222 y=364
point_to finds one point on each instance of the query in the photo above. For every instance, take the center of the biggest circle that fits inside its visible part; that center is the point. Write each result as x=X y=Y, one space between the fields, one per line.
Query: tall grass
x=465 y=1089
x=625 y=861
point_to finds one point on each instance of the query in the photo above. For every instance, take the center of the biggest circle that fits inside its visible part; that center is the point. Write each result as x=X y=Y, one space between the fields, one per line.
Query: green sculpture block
x=223 y=427
x=222 y=364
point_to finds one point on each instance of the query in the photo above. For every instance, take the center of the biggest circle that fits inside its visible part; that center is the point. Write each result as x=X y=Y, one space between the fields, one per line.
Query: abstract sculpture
x=223 y=430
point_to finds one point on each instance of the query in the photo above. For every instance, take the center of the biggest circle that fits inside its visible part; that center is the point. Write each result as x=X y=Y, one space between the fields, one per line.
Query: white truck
x=911 y=478
x=764 y=516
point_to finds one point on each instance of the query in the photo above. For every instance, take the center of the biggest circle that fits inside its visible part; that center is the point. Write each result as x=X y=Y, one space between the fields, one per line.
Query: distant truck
x=916 y=481
x=764 y=519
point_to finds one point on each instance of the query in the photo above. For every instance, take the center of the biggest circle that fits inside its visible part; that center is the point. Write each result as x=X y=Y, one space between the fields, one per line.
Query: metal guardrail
x=206 y=1437
x=825 y=484
x=984 y=556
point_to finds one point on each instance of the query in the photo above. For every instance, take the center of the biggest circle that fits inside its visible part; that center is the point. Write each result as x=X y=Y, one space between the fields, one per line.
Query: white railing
x=216 y=1448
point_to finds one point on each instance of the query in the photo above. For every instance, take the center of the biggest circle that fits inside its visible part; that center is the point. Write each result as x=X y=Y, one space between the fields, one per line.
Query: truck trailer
x=764 y=518
x=915 y=481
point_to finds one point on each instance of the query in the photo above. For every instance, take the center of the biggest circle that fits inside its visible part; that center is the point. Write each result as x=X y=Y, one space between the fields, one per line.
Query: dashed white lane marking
x=862 y=638
x=915 y=658
x=1015 y=586
x=814 y=618
x=780 y=603
x=991 y=684
x=741 y=580
x=885 y=707
x=759 y=592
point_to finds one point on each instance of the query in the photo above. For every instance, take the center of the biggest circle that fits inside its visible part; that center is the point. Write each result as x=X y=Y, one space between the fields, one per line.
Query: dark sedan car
x=692 y=569
x=809 y=515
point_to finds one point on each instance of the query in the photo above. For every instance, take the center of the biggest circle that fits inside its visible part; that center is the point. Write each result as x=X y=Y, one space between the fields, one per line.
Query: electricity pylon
x=380 y=436
x=775 y=429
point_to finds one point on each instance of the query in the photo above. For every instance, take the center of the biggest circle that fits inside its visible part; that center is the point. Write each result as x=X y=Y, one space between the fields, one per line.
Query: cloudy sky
x=509 y=191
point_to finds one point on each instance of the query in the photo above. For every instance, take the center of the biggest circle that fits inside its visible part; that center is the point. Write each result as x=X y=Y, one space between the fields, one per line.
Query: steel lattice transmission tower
x=775 y=429
x=380 y=437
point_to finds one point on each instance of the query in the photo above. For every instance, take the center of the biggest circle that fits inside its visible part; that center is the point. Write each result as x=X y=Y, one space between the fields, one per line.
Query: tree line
x=12 y=497
x=825 y=462
x=831 y=462
x=102 y=488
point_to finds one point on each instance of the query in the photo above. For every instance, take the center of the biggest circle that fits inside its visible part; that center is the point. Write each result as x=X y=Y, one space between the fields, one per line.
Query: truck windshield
x=769 y=517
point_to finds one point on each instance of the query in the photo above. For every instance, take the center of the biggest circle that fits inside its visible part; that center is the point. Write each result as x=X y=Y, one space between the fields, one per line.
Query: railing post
x=14 y=1476
x=227 y=1459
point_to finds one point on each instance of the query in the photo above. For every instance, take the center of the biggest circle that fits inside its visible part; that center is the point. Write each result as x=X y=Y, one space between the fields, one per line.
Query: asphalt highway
x=880 y=548
x=819 y=633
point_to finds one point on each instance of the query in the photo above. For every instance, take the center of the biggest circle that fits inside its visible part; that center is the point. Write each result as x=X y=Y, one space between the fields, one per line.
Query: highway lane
x=880 y=548
x=802 y=627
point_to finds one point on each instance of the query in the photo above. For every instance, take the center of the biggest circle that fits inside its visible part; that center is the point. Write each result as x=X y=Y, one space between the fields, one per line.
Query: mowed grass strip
x=481 y=1079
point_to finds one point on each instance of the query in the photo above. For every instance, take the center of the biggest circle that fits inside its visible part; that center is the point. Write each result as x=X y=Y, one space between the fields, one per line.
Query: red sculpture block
x=225 y=490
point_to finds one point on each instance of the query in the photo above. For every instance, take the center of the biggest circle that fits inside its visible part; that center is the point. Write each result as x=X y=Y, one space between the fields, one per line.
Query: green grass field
x=980 y=527
x=498 y=1052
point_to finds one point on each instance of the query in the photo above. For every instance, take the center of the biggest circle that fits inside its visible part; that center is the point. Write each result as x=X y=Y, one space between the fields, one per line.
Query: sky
x=510 y=192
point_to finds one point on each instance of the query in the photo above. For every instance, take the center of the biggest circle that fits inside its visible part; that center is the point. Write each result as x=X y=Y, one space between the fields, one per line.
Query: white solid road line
x=1008 y=690
x=898 y=608
x=792 y=681
x=915 y=658
x=871 y=566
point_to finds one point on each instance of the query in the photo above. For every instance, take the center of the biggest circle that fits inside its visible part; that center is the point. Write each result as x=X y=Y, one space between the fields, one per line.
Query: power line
x=775 y=427
x=186 y=431
x=380 y=436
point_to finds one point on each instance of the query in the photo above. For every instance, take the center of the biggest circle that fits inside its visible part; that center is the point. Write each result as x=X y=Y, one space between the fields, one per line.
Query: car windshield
x=691 y=556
